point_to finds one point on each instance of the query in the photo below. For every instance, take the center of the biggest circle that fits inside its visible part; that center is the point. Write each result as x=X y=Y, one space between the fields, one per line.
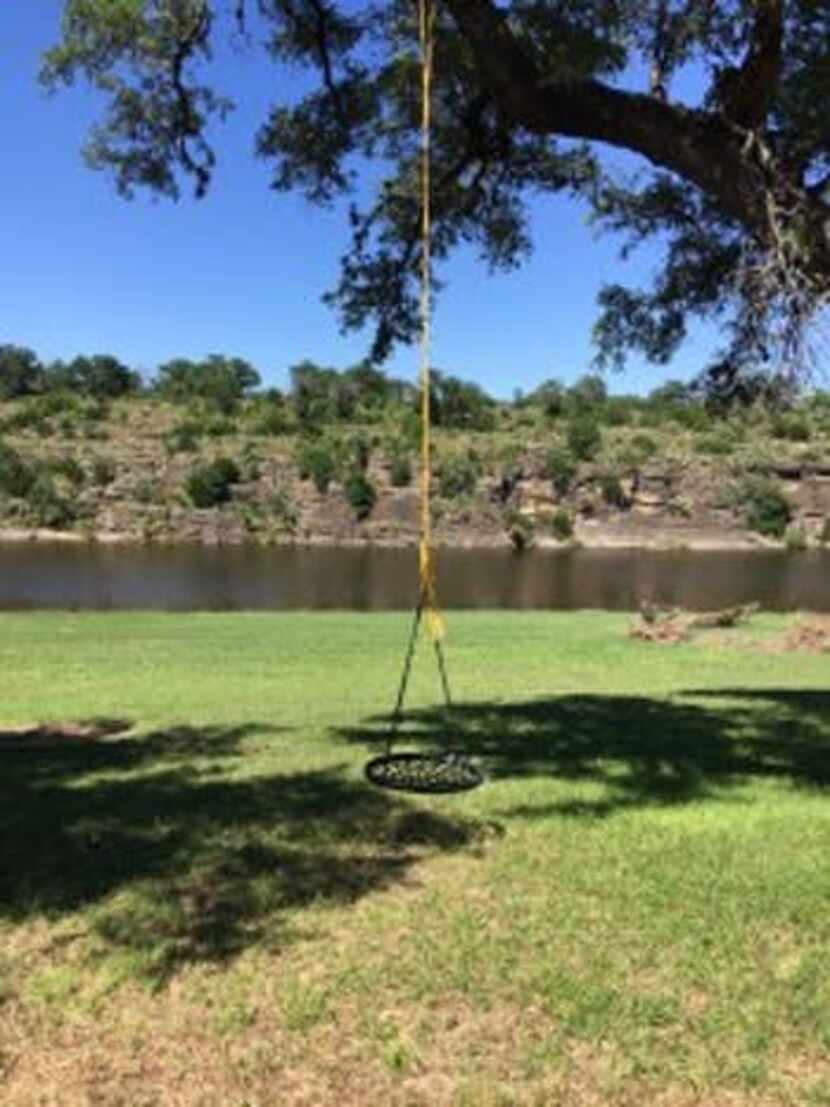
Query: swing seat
x=428 y=773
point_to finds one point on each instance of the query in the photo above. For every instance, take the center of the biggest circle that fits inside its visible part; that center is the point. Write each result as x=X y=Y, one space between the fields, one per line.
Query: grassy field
x=212 y=907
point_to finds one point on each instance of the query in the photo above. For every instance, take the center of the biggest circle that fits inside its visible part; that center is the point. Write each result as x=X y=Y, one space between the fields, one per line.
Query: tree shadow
x=170 y=853
x=645 y=751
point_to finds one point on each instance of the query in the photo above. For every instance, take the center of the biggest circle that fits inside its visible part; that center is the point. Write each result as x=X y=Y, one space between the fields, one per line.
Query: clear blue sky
x=242 y=272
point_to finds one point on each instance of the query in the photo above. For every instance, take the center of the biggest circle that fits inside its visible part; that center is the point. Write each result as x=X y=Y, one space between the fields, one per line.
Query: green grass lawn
x=213 y=907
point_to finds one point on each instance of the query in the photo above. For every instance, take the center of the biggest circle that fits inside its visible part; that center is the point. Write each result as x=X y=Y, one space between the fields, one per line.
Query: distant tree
x=20 y=372
x=530 y=96
x=671 y=394
x=313 y=393
x=460 y=405
x=103 y=376
x=549 y=396
x=726 y=386
x=219 y=380
x=368 y=386
x=588 y=393
x=584 y=436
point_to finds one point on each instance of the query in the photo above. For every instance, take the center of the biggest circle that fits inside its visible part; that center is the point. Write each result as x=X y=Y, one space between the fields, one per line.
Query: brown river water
x=184 y=578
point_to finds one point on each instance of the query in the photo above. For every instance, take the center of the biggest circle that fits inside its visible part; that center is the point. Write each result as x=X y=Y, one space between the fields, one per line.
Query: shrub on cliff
x=560 y=469
x=16 y=476
x=316 y=461
x=361 y=494
x=584 y=436
x=212 y=484
x=767 y=509
x=458 y=475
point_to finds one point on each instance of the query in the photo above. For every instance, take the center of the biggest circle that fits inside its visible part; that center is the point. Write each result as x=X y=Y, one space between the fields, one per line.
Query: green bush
x=767 y=509
x=103 y=471
x=361 y=494
x=458 y=475
x=641 y=448
x=212 y=484
x=584 y=437
x=284 y=510
x=400 y=472
x=560 y=469
x=47 y=507
x=612 y=491
x=270 y=420
x=561 y=525
x=790 y=427
x=183 y=437
x=795 y=538
x=398 y=458
x=147 y=490
x=69 y=468
x=16 y=475
x=316 y=461
x=520 y=530
x=716 y=443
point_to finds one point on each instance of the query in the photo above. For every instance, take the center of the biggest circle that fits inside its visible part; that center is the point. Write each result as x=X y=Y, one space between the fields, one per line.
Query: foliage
x=212 y=484
x=315 y=461
x=361 y=494
x=67 y=467
x=183 y=437
x=458 y=474
x=612 y=491
x=521 y=530
x=588 y=395
x=767 y=509
x=21 y=373
x=460 y=405
x=561 y=525
x=790 y=426
x=16 y=476
x=322 y=396
x=220 y=381
x=267 y=414
x=641 y=448
x=104 y=470
x=717 y=443
x=732 y=180
x=47 y=507
x=549 y=396
x=584 y=436
x=284 y=510
x=99 y=375
x=399 y=461
x=559 y=468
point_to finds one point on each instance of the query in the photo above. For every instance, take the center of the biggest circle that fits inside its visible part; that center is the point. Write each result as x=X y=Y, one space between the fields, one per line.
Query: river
x=184 y=578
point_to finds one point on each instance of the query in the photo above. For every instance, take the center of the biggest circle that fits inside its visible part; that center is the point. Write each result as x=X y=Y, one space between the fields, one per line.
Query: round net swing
x=448 y=769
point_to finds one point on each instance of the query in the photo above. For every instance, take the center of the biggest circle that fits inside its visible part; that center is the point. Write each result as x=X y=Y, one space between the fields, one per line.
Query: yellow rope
x=434 y=620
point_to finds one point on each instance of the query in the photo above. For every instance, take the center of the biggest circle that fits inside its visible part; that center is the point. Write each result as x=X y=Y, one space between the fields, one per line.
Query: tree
x=529 y=95
x=587 y=394
x=102 y=375
x=20 y=372
x=218 y=380
x=462 y=405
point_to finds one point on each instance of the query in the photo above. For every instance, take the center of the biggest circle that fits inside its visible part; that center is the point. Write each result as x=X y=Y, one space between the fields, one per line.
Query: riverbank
x=590 y=536
x=203 y=900
x=139 y=473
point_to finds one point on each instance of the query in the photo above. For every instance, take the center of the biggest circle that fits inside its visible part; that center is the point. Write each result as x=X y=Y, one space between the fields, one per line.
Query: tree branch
x=746 y=93
x=695 y=144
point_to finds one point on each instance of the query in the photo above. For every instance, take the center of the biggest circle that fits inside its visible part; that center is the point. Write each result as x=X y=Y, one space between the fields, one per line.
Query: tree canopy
x=529 y=97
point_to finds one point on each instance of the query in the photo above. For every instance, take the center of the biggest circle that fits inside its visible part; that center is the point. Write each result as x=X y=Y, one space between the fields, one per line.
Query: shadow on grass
x=173 y=855
x=644 y=751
